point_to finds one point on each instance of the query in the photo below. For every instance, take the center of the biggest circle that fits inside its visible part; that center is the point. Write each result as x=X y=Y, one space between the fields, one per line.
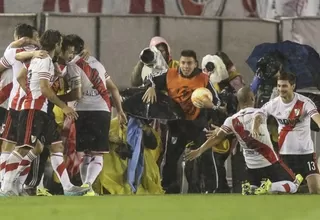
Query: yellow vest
x=58 y=113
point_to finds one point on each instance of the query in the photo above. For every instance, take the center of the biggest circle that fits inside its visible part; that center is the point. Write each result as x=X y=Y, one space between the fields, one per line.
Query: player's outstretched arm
x=24 y=41
x=211 y=142
x=28 y=55
x=117 y=100
x=52 y=97
x=136 y=79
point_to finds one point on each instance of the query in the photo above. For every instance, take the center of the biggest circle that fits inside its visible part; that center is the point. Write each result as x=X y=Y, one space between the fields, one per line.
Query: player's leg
x=97 y=143
x=13 y=161
x=94 y=169
x=4 y=155
x=87 y=157
x=6 y=150
x=253 y=180
x=311 y=172
x=35 y=175
x=57 y=160
x=25 y=165
x=9 y=139
x=34 y=136
x=84 y=137
x=280 y=178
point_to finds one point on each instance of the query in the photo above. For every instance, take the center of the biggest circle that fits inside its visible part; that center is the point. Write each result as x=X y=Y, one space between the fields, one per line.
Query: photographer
x=140 y=71
x=264 y=86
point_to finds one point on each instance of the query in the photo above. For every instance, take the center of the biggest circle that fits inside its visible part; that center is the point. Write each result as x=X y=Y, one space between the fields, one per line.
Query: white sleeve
x=44 y=68
x=73 y=75
x=227 y=126
x=310 y=108
x=101 y=70
x=9 y=57
x=265 y=110
x=107 y=75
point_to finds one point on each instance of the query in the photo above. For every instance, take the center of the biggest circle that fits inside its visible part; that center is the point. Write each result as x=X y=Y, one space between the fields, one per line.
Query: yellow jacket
x=113 y=175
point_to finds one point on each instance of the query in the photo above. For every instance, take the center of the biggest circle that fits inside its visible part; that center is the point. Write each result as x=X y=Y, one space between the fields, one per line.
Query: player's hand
x=204 y=103
x=85 y=54
x=193 y=154
x=70 y=113
x=213 y=131
x=122 y=118
x=223 y=108
x=255 y=133
x=150 y=96
x=40 y=54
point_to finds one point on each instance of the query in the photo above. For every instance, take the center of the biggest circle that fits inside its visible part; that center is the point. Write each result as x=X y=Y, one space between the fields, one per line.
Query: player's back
x=9 y=60
x=38 y=69
x=257 y=152
x=294 y=123
x=95 y=96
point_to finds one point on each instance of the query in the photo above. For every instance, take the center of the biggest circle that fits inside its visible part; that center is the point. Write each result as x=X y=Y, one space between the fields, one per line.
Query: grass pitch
x=164 y=207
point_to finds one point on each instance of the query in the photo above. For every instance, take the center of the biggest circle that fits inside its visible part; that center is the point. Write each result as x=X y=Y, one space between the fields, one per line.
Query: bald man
x=264 y=168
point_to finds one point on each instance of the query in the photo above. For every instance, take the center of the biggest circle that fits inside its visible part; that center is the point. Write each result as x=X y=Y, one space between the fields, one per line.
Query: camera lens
x=147 y=56
x=210 y=66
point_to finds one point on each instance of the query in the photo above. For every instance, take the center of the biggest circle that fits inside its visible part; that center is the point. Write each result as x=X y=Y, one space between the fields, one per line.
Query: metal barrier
x=8 y=23
x=118 y=40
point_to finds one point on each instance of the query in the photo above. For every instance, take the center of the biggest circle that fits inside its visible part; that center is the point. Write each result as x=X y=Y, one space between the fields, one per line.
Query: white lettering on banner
x=207 y=8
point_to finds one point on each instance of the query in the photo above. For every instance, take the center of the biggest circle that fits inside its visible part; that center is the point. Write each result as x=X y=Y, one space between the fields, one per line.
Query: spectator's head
x=77 y=42
x=286 y=84
x=226 y=60
x=51 y=40
x=188 y=62
x=245 y=97
x=162 y=45
x=23 y=30
x=67 y=49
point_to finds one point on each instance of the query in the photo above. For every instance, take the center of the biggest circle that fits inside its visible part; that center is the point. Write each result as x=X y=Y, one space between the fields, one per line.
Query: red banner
x=207 y=8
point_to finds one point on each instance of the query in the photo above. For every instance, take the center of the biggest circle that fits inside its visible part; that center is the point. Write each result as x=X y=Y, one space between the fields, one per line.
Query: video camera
x=154 y=62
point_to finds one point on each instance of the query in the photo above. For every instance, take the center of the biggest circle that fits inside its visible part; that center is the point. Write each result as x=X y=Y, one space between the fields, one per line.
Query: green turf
x=181 y=207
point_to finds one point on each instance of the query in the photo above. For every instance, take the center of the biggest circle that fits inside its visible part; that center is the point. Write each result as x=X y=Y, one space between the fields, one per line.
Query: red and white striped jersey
x=10 y=61
x=294 y=123
x=39 y=69
x=91 y=76
x=5 y=87
x=258 y=153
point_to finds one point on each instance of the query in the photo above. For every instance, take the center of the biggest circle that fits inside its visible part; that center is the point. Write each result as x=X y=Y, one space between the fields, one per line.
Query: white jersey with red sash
x=258 y=153
x=294 y=123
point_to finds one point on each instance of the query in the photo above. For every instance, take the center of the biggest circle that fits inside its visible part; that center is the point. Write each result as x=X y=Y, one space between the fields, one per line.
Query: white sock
x=84 y=167
x=10 y=175
x=3 y=159
x=59 y=168
x=24 y=168
x=284 y=186
x=94 y=169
